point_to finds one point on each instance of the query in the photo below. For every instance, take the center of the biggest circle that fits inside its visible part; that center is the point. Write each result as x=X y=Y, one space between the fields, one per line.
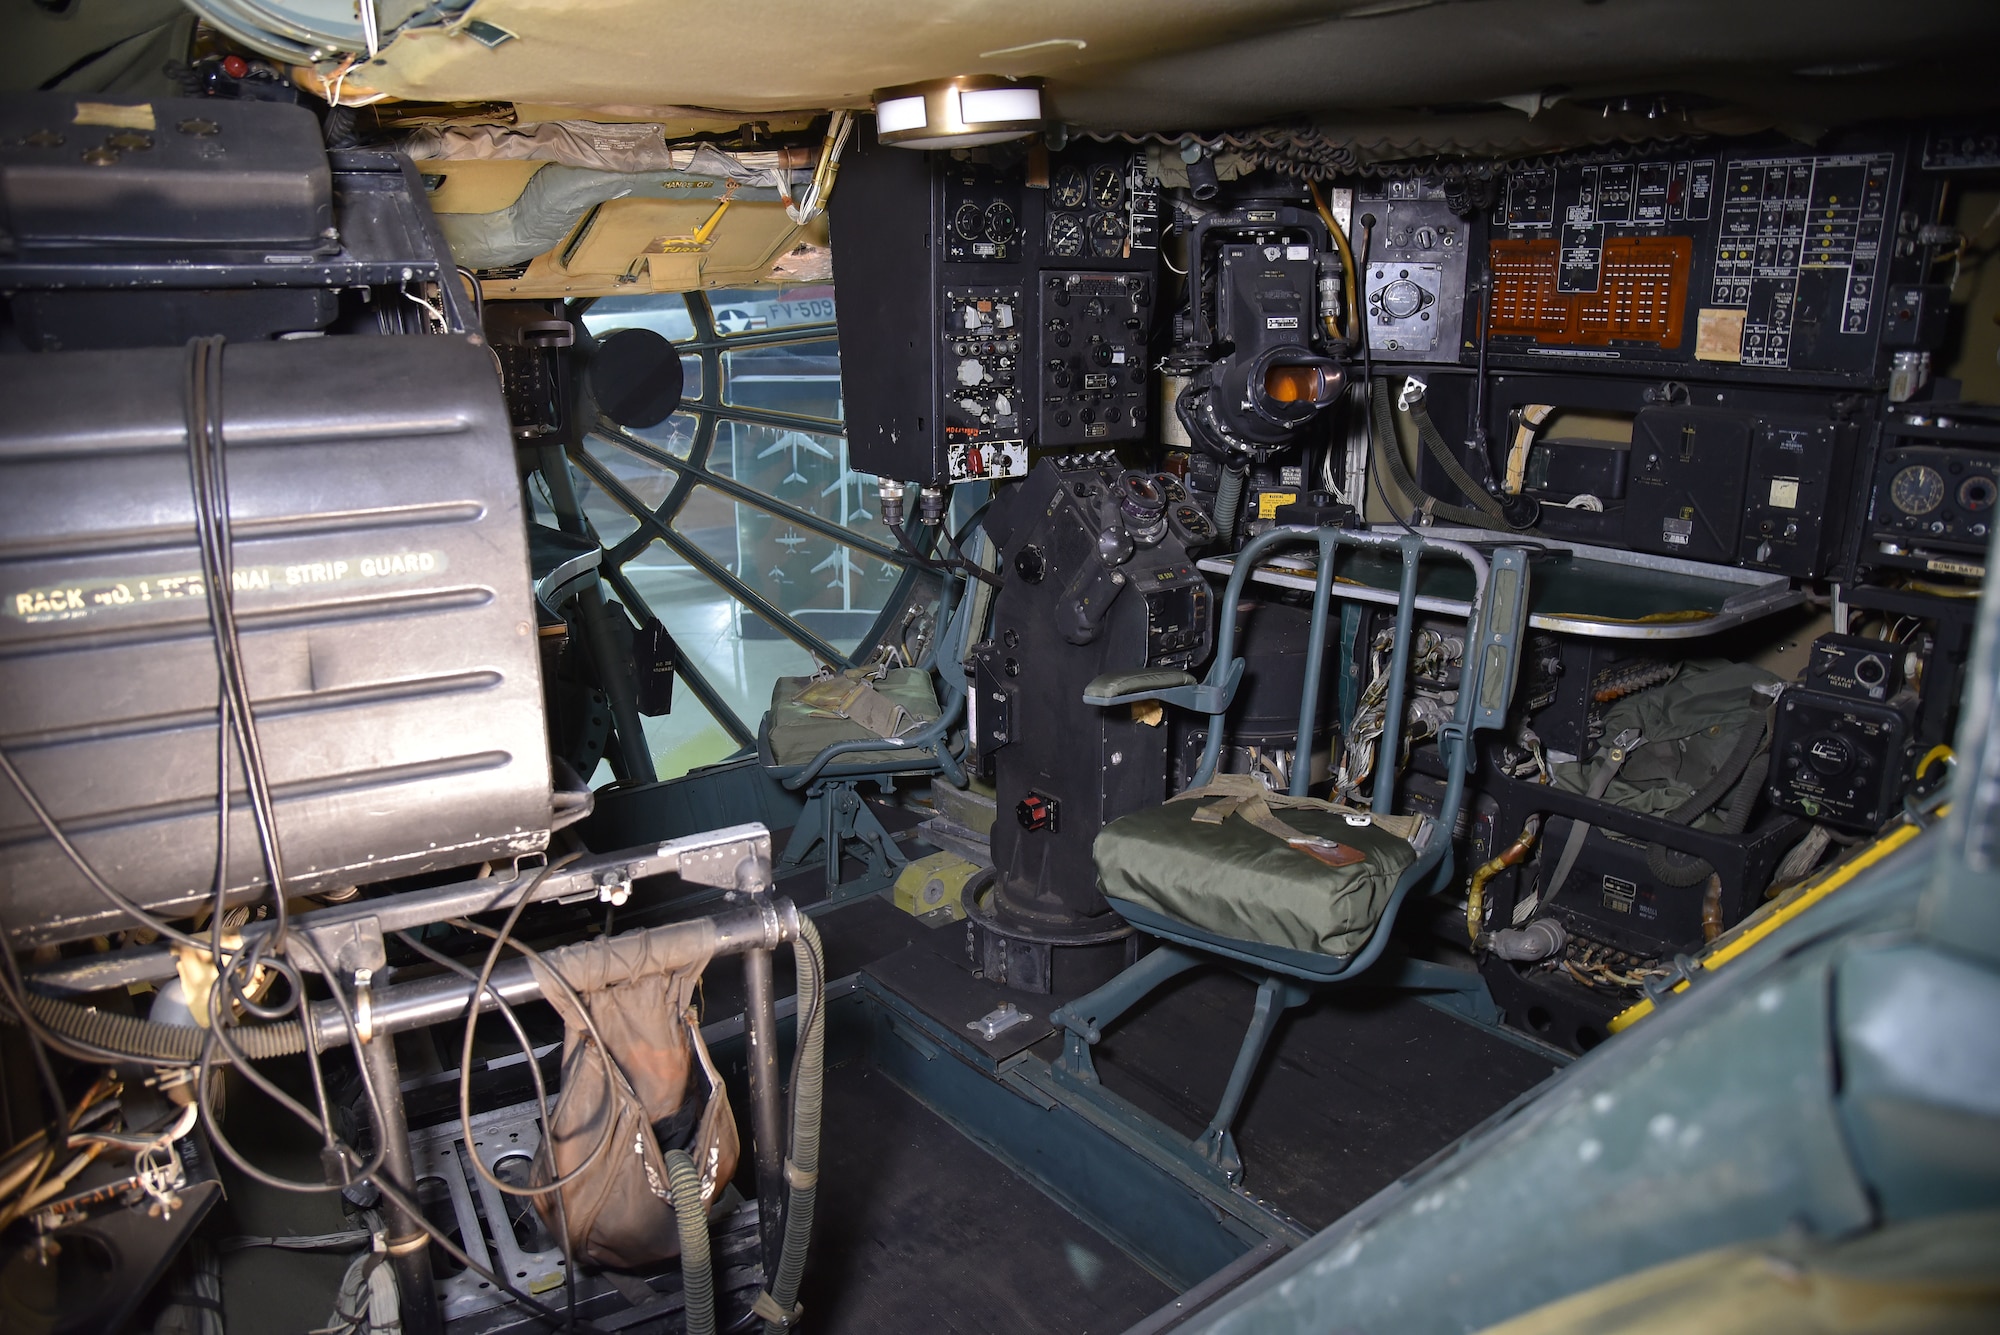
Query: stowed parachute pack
x=638 y=991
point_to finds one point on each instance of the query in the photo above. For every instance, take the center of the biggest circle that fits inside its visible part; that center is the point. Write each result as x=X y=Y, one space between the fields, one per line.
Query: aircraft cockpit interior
x=1229 y=669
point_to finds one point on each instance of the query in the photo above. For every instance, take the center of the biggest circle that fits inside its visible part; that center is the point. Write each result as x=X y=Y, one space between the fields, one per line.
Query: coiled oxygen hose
x=697 y=1271
x=779 y=1305
x=147 y=1040
x=1228 y=495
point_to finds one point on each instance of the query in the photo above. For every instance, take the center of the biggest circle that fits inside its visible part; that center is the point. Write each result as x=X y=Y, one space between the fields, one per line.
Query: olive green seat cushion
x=1235 y=880
x=797 y=732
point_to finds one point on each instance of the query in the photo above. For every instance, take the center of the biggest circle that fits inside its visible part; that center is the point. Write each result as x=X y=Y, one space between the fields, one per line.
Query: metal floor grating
x=506 y=1234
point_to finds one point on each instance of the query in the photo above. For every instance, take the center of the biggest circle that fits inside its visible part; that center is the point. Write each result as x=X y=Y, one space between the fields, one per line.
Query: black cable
x=337 y=1152
x=953 y=566
x=54 y=832
x=209 y=469
x=1368 y=380
x=970 y=566
x=541 y=1103
x=458 y=1253
x=57 y=1127
x=1480 y=439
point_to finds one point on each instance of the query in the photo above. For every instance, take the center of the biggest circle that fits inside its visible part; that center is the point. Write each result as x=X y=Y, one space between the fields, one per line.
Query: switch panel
x=1796 y=495
x=1413 y=286
x=986 y=417
x=1092 y=374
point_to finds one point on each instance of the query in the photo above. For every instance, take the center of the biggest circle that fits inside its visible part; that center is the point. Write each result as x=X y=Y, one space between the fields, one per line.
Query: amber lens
x=1292 y=384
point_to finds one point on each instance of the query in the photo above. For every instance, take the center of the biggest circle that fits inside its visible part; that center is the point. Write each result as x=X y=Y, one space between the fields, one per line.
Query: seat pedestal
x=835 y=816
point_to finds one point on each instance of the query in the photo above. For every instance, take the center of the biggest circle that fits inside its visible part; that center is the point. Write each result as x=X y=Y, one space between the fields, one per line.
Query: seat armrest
x=1129 y=684
x=1166 y=685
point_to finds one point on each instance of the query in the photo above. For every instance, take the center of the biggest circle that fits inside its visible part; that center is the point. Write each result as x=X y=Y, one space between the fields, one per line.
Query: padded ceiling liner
x=1175 y=64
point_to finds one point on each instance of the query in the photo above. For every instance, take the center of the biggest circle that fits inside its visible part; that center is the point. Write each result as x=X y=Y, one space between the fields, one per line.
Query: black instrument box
x=381 y=587
x=1841 y=760
x=188 y=175
x=1936 y=486
x=1850 y=665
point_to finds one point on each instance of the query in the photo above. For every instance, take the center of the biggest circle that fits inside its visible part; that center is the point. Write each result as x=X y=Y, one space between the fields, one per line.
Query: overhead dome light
x=964 y=112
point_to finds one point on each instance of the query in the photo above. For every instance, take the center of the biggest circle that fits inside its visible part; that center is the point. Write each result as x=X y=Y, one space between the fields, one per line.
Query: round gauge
x=1144 y=507
x=1065 y=235
x=1107 y=188
x=1401 y=299
x=1170 y=487
x=1069 y=189
x=1107 y=235
x=1192 y=524
x=1000 y=223
x=1917 y=490
x=968 y=222
x=1977 y=493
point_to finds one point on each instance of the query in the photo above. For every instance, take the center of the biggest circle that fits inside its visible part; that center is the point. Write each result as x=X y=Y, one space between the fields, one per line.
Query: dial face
x=1000 y=223
x=1065 y=235
x=1977 y=493
x=1142 y=490
x=1170 y=487
x=1107 y=234
x=968 y=222
x=1069 y=188
x=1917 y=490
x=1107 y=187
x=1193 y=522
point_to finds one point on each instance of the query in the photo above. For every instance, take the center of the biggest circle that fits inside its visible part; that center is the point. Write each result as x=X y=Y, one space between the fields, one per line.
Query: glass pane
x=739 y=653
x=799 y=378
x=828 y=587
x=753 y=310
x=690 y=378
x=611 y=520
x=648 y=482
x=687 y=738
x=804 y=469
x=675 y=435
x=666 y=313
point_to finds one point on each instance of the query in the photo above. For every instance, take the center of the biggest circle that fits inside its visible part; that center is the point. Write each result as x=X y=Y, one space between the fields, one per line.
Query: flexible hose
x=147 y=1041
x=1228 y=495
x=1680 y=870
x=1512 y=856
x=802 y=1167
x=1347 y=266
x=1391 y=456
x=697 y=1271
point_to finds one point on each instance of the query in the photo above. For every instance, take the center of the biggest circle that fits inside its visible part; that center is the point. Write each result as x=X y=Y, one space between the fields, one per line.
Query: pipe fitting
x=1542 y=939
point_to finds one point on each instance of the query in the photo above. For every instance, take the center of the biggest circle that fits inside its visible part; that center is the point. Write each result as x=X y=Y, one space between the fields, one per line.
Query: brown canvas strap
x=1245 y=796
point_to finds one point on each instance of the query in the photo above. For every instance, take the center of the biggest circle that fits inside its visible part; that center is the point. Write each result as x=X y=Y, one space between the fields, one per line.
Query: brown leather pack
x=638 y=990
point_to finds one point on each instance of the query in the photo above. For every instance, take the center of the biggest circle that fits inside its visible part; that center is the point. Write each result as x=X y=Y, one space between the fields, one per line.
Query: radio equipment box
x=382 y=592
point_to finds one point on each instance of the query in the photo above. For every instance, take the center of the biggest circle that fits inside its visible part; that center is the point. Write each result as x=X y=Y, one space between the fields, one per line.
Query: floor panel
x=1356 y=1088
x=920 y=1230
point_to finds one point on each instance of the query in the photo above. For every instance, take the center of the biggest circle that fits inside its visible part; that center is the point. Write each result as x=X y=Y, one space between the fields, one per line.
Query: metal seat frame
x=836 y=816
x=1288 y=977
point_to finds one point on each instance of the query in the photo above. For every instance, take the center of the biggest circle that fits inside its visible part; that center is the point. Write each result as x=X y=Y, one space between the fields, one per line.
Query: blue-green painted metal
x=1399 y=671
x=1102 y=1160
x=838 y=819
x=1839 y=1079
x=1284 y=975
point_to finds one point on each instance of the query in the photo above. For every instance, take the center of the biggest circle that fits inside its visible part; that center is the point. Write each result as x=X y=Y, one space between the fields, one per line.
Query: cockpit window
x=758 y=310
x=737 y=521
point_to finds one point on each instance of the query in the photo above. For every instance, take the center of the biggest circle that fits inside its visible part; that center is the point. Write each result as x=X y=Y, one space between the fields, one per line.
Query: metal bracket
x=348 y=946
x=712 y=858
